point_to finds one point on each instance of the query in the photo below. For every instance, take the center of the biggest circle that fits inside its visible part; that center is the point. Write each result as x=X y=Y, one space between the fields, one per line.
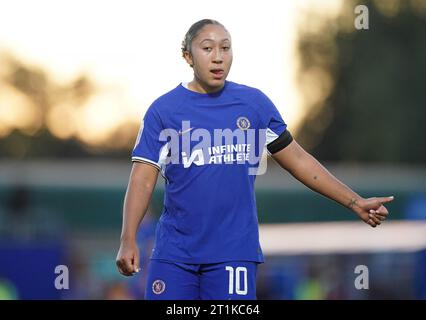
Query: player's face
x=211 y=58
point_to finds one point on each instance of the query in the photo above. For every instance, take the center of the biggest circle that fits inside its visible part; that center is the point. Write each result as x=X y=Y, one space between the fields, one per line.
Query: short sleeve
x=270 y=118
x=148 y=147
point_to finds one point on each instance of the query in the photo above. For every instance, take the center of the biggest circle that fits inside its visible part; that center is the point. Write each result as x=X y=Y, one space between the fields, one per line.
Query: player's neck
x=199 y=87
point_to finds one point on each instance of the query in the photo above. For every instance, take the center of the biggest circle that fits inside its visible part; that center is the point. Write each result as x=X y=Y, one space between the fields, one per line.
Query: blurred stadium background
x=72 y=97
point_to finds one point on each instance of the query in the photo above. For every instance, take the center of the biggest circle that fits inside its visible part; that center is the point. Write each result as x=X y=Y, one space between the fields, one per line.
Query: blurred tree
x=19 y=145
x=38 y=116
x=364 y=89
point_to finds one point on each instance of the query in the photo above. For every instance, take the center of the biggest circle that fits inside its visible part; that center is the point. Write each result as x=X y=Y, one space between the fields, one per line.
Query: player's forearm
x=136 y=202
x=315 y=176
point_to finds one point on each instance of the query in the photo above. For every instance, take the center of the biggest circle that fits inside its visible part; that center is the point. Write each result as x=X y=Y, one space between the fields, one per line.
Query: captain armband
x=280 y=143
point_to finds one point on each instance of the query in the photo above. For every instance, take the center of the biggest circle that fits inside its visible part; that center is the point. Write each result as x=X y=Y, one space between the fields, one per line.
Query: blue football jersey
x=208 y=147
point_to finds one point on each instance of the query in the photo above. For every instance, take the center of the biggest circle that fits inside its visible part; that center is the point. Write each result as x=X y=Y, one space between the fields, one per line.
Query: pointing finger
x=385 y=199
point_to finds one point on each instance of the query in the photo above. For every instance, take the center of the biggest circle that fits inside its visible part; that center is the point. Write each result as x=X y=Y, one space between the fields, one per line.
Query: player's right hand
x=128 y=258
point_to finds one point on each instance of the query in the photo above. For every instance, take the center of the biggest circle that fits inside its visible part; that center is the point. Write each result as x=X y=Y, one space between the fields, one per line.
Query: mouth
x=218 y=73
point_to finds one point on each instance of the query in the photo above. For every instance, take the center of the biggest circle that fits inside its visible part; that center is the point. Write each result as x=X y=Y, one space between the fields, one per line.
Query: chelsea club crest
x=158 y=286
x=243 y=123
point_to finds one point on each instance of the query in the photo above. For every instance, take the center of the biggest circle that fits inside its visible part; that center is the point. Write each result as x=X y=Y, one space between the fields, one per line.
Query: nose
x=217 y=56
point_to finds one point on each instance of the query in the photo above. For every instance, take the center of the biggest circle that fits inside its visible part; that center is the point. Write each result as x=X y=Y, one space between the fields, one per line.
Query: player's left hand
x=371 y=210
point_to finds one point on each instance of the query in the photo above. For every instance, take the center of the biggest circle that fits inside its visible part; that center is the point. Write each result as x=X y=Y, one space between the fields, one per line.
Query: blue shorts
x=168 y=280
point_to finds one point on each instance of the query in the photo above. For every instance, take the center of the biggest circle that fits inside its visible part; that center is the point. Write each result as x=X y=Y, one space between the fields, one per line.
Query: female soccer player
x=206 y=137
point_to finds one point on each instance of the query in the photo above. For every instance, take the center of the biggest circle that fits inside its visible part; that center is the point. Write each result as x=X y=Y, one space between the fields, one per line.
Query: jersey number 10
x=238 y=272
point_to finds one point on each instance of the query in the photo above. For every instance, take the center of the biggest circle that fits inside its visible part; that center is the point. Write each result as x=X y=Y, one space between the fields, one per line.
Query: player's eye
x=226 y=48
x=207 y=49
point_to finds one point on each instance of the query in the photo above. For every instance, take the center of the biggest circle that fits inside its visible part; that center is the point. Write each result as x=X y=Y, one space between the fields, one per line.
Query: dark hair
x=193 y=32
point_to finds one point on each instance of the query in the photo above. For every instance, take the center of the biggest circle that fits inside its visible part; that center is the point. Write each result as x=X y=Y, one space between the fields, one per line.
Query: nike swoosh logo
x=180 y=132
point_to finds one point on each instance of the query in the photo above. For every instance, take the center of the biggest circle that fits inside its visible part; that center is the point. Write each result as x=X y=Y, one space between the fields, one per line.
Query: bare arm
x=143 y=178
x=311 y=173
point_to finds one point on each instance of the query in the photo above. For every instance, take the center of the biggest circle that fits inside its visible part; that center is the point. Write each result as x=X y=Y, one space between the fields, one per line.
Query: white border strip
x=342 y=237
